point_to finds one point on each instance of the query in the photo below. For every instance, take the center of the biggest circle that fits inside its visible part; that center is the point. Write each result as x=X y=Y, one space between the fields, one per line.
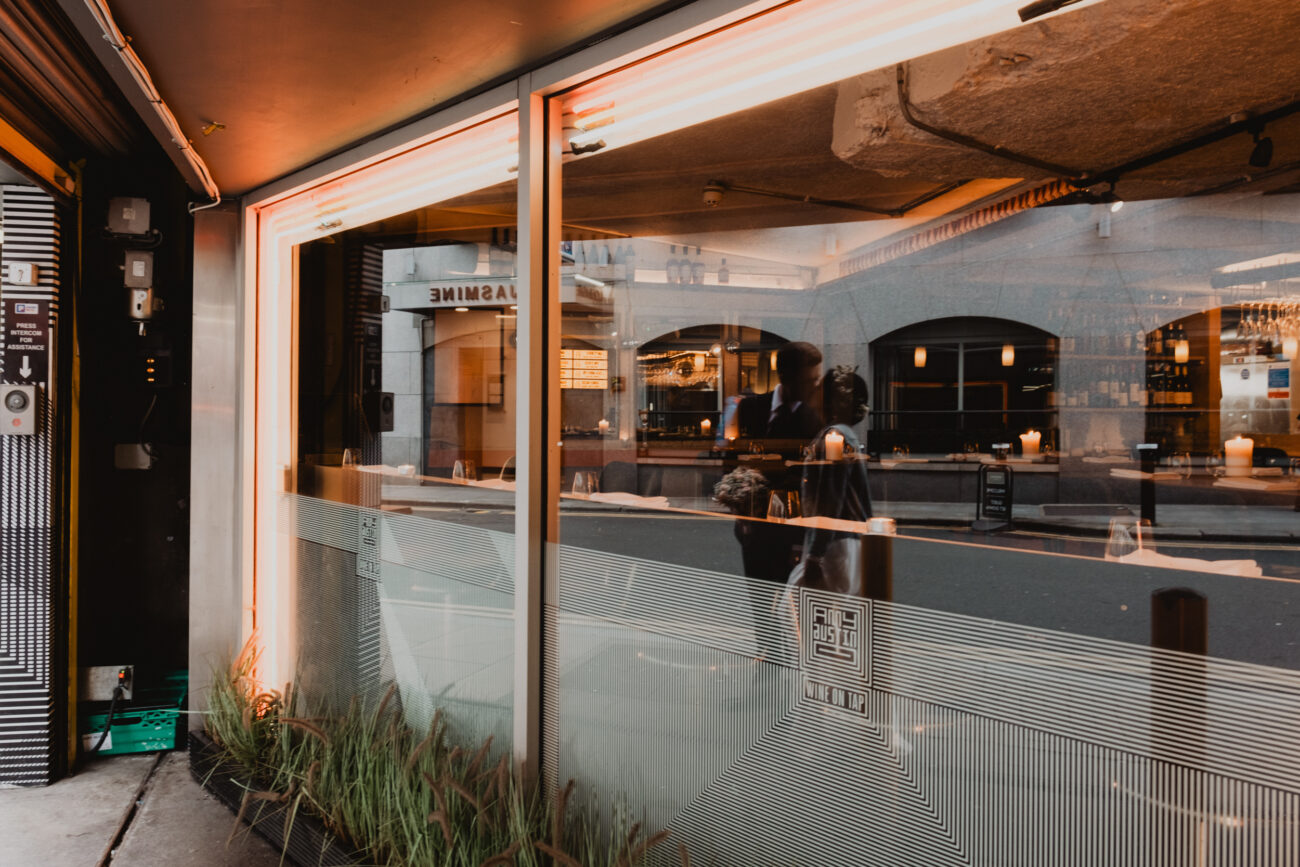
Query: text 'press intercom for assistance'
x=18 y=409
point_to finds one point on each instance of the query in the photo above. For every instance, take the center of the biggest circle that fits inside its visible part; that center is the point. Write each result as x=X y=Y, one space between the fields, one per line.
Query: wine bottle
x=697 y=268
x=724 y=274
x=673 y=268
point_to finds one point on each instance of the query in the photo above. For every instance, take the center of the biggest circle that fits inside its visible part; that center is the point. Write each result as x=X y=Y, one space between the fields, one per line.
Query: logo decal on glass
x=834 y=650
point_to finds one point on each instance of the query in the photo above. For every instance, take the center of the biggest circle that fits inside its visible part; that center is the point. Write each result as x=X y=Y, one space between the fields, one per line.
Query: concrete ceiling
x=294 y=81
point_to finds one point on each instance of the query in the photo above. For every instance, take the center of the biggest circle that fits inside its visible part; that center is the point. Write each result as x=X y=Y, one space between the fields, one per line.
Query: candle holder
x=1238 y=454
x=834 y=445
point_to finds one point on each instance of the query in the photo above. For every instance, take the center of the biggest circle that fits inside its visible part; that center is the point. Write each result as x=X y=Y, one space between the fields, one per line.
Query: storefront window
x=795 y=329
x=400 y=514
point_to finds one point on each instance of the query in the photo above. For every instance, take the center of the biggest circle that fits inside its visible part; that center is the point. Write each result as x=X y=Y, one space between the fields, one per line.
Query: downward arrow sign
x=26 y=369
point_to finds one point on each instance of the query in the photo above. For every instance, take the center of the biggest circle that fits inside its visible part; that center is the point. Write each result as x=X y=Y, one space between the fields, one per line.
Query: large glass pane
x=402 y=506
x=792 y=330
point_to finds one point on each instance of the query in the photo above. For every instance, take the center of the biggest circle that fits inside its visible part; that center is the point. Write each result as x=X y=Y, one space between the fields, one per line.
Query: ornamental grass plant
x=404 y=797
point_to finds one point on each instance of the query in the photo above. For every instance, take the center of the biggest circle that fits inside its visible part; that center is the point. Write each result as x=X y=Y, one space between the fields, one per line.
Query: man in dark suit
x=787 y=412
x=783 y=420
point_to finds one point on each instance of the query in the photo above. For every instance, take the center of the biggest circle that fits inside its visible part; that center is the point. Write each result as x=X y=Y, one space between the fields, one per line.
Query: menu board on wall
x=584 y=368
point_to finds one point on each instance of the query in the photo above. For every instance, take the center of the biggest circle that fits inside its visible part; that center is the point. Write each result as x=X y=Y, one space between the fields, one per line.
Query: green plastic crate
x=153 y=720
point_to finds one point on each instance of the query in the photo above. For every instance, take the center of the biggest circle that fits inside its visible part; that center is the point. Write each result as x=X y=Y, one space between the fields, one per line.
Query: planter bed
x=309 y=843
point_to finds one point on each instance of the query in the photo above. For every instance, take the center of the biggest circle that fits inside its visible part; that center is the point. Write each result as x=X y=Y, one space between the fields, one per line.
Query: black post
x=1148 y=452
x=1179 y=622
x=878 y=566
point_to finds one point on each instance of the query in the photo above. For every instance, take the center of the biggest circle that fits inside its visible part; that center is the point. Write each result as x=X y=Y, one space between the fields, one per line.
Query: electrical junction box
x=97 y=682
x=22 y=274
x=142 y=304
x=131 y=456
x=18 y=409
x=139 y=269
x=128 y=216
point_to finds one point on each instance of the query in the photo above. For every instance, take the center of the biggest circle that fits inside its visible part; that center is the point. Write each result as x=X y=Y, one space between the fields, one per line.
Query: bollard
x=878 y=560
x=1148 y=452
x=1179 y=622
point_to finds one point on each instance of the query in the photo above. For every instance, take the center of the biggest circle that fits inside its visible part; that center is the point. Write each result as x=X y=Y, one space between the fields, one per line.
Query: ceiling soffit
x=295 y=81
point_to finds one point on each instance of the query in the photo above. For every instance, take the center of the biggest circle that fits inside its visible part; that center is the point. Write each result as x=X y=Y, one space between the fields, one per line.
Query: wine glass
x=783 y=506
x=1128 y=536
x=586 y=483
x=464 y=471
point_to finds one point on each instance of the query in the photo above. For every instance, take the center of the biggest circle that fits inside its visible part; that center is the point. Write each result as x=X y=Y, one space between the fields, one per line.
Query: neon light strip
x=440 y=169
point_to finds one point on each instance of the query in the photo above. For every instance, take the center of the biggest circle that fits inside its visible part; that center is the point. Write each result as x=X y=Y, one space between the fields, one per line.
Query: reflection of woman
x=831 y=559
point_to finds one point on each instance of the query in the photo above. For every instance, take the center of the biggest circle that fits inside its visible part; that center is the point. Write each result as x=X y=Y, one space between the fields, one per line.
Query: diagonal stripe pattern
x=982 y=742
x=27 y=743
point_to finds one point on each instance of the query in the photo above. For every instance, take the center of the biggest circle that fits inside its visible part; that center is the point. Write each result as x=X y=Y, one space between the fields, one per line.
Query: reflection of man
x=787 y=411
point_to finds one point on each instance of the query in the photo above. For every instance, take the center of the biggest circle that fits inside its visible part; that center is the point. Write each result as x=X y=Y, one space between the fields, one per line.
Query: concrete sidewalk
x=125 y=811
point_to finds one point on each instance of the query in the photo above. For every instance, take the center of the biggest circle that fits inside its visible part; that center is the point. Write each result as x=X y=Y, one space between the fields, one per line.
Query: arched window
x=961 y=384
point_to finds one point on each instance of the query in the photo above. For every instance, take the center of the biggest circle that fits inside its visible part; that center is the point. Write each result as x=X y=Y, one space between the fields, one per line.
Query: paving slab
x=179 y=824
x=71 y=822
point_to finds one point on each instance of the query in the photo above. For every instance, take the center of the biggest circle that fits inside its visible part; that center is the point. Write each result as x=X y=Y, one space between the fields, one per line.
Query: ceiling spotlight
x=1262 y=155
x=1042 y=7
x=1110 y=197
x=713 y=192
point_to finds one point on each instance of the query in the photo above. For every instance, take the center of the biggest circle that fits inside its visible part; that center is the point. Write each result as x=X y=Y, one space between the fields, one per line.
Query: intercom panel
x=18 y=409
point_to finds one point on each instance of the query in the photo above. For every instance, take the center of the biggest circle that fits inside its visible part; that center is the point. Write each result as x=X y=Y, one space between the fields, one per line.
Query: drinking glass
x=783 y=506
x=1128 y=535
x=352 y=457
x=586 y=483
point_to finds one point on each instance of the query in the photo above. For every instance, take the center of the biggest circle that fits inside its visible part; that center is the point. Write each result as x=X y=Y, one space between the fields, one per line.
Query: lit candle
x=834 y=446
x=1029 y=443
x=706 y=427
x=1237 y=454
x=602 y=426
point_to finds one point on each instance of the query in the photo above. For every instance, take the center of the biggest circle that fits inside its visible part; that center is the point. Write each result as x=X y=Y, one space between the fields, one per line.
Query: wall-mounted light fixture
x=1008 y=355
x=918 y=356
x=1182 y=351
